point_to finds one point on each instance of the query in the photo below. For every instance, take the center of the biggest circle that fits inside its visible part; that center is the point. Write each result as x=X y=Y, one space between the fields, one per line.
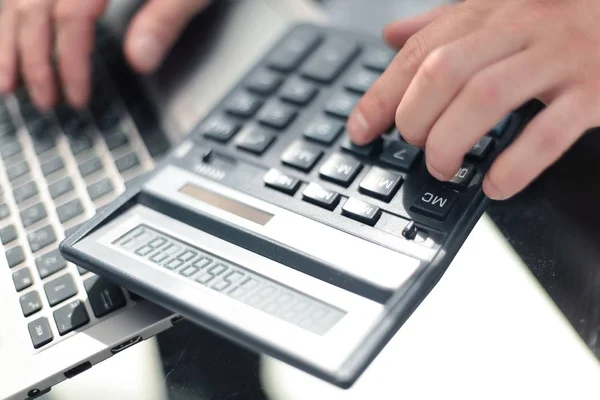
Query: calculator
x=268 y=226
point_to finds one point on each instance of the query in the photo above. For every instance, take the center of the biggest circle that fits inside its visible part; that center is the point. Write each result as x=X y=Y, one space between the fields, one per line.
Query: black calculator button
x=293 y=50
x=361 y=81
x=329 y=60
x=279 y=181
x=301 y=155
x=298 y=92
x=254 y=140
x=500 y=128
x=324 y=130
x=400 y=155
x=462 y=177
x=22 y=279
x=219 y=128
x=30 y=303
x=60 y=289
x=277 y=115
x=435 y=202
x=40 y=332
x=318 y=195
x=264 y=82
x=342 y=104
x=361 y=211
x=243 y=105
x=70 y=317
x=481 y=148
x=378 y=59
x=340 y=169
x=365 y=151
x=380 y=183
x=104 y=296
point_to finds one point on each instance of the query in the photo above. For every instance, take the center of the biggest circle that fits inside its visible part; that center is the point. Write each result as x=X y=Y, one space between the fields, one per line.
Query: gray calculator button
x=281 y=182
x=80 y=143
x=243 y=105
x=90 y=166
x=22 y=279
x=8 y=234
x=50 y=167
x=340 y=169
x=324 y=130
x=293 y=50
x=4 y=211
x=329 y=60
x=254 y=140
x=127 y=162
x=69 y=210
x=60 y=187
x=380 y=183
x=60 y=289
x=41 y=238
x=70 y=317
x=42 y=144
x=360 y=211
x=277 y=115
x=219 y=128
x=378 y=59
x=33 y=214
x=30 y=303
x=264 y=82
x=116 y=140
x=10 y=149
x=361 y=81
x=40 y=332
x=25 y=192
x=15 y=256
x=301 y=155
x=298 y=91
x=50 y=263
x=100 y=189
x=342 y=104
x=318 y=195
x=18 y=170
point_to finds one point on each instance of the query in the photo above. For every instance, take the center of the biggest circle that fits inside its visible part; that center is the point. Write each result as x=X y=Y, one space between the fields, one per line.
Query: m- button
x=435 y=202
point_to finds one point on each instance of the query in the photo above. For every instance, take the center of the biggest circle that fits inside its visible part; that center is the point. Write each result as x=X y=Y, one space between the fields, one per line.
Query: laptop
x=57 y=170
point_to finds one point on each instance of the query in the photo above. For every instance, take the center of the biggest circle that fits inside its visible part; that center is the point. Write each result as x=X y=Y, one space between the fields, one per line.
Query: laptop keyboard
x=58 y=169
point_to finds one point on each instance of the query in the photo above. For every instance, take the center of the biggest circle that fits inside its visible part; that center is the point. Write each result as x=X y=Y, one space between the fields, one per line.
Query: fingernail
x=147 y=51
x=435 y=173
x=75 y=96
x=491 y=190
x=358 y=127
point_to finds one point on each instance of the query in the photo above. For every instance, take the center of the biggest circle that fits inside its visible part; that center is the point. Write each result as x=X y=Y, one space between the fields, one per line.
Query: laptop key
x=52 y=166
x=41 y=238
x=340 y=169
x=104 y=296
x=318 y=195
x=100 y=189
x=324 y=130
x=25 y=192
x=30 y=303
x=243 y=105
x=282 y=182
x=50 y=263
x=33 y=214
x=8 y=234
x=254 y=140
x=360 y=211
x=329 y=60
x=60 y=289
x=298 y=91
x=435 y=202
x=17 y=170
x=69 y=210
x=71 y=317
x=277 y=115
x=14 y=256
x=22 y=279
x=301 y=155
x=40 y=332
x=400 y=155
x=380 y=183
x=60 y=188
x=293 y=50
x=342 y=104
x=264 y=82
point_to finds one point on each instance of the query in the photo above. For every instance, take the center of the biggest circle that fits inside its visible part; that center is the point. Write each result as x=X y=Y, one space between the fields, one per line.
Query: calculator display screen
x=230 y=280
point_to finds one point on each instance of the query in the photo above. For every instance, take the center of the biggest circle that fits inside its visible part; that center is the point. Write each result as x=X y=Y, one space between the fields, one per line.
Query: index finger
x=375 y=112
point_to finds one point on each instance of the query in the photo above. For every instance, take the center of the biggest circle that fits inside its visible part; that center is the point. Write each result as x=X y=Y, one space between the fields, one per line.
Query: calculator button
x=243 y=105
x=340 y=169
x=30 y=303
x=10 y=149
x=14 y=256
x=25 y=192
x=462 y=177
x=500 y=128
x=342 y=104
x=220 y=129
x=104 y=296
x=298 y=92
x=40 y=332
x=365 y=151
x=127 y=162
x=264 y=82
x=318 y=195
x=282 y=182
x=400 y=155
x=481 y=148
x=41 y=238
x=116 y=140
x=50 y=263
x=293 y=50
x=435 y=202
x=70 y=317
x=301 y=155
x=329 y=60
x=378 y=59
x=80 y=143
x=277 y=115
x=69 y=210
x=380 y=183
x=60 y=188
x=4 y=211
x=100 y=189
x=50 y=167
x=18 y=170
x=361 y=211
x=22 y=279
x=361 y=81
x=8 y=234
x=33 y=214
x=90 y=166
x=254 y=140
x=60 y=289
x=324 y=130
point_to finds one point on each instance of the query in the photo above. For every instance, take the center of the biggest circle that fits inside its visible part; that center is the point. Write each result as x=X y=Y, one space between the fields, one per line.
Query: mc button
x=435 y=202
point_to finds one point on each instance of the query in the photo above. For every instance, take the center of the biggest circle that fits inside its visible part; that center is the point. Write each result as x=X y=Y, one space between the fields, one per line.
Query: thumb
x=155 y=28
x=398 y=32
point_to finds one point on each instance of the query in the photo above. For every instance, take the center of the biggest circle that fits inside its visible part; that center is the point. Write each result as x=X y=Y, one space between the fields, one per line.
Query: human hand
x=462 y=68
x=28 y=29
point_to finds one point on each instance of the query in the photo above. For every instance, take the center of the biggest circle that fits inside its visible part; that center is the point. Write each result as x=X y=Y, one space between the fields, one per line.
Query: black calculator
x=267 y=225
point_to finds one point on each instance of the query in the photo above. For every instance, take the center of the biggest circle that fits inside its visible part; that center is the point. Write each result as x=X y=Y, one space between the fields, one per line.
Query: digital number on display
x=230 y=280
